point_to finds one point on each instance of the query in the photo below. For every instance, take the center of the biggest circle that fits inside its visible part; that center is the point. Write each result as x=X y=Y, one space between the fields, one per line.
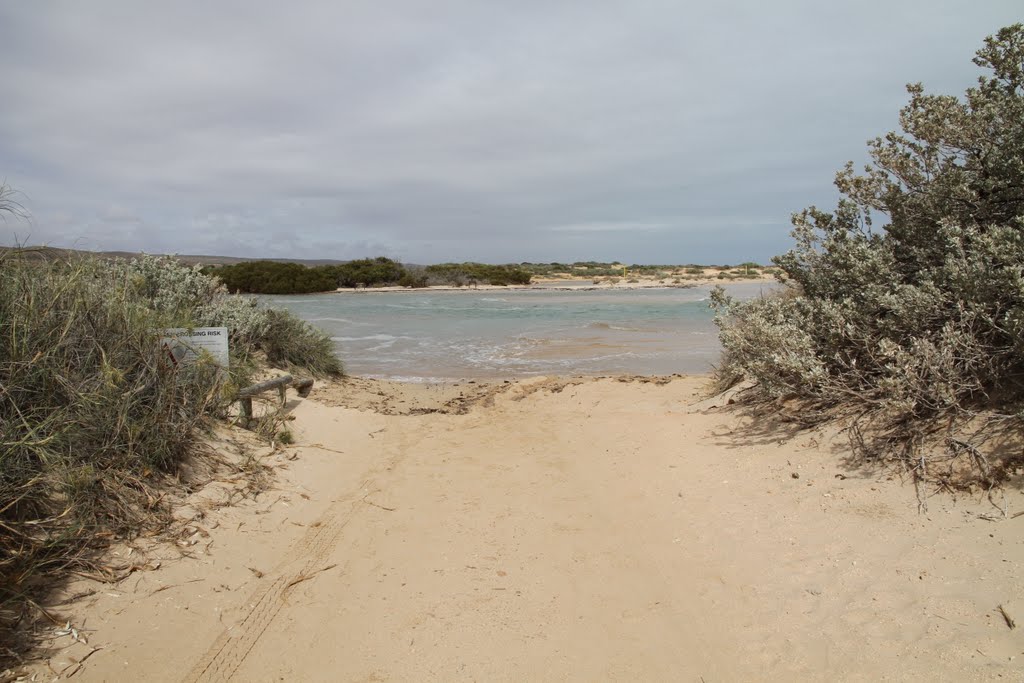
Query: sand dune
x=562 y=529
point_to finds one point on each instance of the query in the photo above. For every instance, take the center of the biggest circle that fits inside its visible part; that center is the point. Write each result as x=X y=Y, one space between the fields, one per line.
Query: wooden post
x=280 y=383
x=303 y=386
x=246 y=410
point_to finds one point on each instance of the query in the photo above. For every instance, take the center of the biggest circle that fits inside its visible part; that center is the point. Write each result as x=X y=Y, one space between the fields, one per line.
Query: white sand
x=574 y=530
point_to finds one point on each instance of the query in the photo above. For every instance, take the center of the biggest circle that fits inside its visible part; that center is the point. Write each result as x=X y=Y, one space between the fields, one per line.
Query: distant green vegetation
x=369 y=272
x=591 y=269
x=477 y=273
x=545 y=269
x=270 y=277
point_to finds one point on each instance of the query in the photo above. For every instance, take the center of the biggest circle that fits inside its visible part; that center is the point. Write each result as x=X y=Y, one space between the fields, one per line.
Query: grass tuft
x=94 y=419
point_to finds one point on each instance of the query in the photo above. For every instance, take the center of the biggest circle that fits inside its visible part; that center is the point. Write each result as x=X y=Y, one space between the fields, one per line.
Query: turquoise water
x=443 y=335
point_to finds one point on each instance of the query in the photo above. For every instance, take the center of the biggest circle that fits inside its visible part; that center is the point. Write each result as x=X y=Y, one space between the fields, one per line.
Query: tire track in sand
x=229 y=651
x=231 y=648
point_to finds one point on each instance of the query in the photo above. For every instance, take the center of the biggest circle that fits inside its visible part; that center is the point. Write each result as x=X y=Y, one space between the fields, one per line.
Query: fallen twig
x=73 y=598
x=376 y=505
x=78 y=665
x=173 y=585
x=1006 y=616
x=324 y=448
x=306 y=577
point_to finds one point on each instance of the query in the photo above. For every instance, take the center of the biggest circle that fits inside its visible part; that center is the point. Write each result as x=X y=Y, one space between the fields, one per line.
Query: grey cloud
x=608 y=227
x=453 y=130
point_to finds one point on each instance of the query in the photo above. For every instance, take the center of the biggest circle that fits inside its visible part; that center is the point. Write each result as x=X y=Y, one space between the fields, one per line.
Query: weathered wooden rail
x=302 y=386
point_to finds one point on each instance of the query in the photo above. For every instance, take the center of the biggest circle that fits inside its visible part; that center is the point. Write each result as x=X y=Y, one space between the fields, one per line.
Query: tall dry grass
x=93 y=420
x=90 y=415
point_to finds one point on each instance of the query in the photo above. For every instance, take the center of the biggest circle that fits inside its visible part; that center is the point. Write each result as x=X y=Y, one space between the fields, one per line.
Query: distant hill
x=188 y=259
x=207 y=260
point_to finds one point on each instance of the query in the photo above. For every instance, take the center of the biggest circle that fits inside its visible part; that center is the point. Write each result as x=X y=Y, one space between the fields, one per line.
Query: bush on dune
x=289 y=341
x=920 y=324
x=191 y=297
x=91 y=417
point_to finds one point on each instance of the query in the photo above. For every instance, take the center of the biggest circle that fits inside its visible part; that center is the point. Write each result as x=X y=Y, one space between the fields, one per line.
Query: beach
x=569 y=283
x=511 y=342
x=573 y=528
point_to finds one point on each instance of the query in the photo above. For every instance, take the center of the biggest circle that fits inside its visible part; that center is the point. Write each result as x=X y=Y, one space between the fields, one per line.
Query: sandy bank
x=568 y=285
x=562 y=529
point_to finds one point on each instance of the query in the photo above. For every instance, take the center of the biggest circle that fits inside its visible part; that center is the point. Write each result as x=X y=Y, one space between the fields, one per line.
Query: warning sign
x=182 y=346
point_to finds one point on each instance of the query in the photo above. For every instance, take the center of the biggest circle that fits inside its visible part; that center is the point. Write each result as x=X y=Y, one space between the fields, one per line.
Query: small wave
x=371 y=337
x=414 y=379
x=440 y=309
x=283 y=299
x=418 y=306
x=334 y=320
x=382 y=346
x=617 y=328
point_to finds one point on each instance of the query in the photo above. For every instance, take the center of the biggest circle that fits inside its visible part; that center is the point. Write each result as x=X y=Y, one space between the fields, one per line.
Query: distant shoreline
x=552 y=286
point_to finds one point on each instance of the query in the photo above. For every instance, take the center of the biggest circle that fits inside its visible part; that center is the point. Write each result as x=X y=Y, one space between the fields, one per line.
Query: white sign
x=183 y=347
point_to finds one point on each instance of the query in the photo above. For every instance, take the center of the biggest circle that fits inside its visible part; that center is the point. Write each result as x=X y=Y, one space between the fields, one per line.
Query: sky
x=447 y=130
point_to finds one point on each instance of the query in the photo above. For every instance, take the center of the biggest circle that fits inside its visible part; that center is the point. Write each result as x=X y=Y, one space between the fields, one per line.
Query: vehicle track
x=306 y=558
x=234 y=644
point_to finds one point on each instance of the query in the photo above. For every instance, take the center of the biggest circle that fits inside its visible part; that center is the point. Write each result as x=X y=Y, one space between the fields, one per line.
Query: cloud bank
x=640 y=131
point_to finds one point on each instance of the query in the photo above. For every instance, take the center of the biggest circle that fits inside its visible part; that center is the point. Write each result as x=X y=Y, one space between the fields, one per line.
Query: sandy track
x=572 y=530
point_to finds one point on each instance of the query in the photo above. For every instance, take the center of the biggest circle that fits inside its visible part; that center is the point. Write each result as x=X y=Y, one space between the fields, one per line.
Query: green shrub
x=271 y=277
x=292 y=342
x=375 y=272
x=477 y=273
x=91 y=414
x=925 y=320
x=414 y=277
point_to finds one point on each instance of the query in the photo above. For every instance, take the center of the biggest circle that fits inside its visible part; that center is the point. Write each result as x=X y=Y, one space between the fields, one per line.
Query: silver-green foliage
x=189 y=297
x=91 y=417
x=926 y=317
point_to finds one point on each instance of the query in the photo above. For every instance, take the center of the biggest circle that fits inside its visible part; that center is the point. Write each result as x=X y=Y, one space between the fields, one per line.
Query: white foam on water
x=335 y=320
x=614 y=327
x=437 y=335
x=372 y=337
x=413 y=379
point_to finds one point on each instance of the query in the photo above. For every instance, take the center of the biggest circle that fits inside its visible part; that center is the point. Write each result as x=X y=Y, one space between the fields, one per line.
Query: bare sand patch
x=564 y=529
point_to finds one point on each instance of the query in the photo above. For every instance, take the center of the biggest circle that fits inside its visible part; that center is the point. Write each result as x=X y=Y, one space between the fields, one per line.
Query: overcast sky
x=650 y=132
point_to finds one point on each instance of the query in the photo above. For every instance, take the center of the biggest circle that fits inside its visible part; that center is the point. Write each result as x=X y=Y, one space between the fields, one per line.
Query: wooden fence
x=302 y=386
